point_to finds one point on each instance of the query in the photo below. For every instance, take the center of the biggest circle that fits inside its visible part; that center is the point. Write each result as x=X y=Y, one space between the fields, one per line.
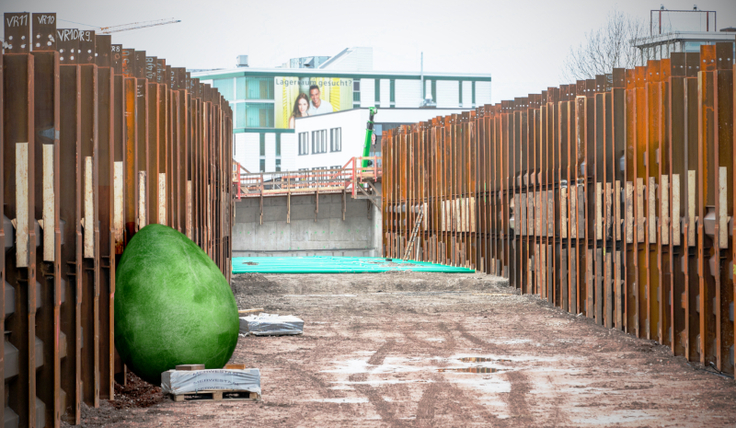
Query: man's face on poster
x=314 y=95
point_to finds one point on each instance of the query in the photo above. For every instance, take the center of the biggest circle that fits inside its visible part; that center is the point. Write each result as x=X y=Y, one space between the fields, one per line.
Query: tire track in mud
x=516 y=398
x=520 y=386
x=485 y=346
x=443 y=349
x=386 y=410
x=557 y=416
x=450 y=342
x=426 y=405
x=383 y=408
x=438 y=394
x=380 y=355
x=316 y=383
x=441 y=394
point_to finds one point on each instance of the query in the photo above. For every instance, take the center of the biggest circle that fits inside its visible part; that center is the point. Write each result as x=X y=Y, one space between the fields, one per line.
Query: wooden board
x=224 y=395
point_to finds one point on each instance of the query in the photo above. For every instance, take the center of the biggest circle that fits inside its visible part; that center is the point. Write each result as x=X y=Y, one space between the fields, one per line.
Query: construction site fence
x=612 y=198
x=98 y=141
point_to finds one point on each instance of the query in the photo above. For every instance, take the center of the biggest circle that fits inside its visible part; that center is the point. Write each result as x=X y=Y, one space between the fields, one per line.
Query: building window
x=240 y=88
x=239 y=112
x=278 y=164
x=259 y=88
x=356 y=91
x=319 y=141
x=303 y=143
x=473 y=92
x=392 y=94
x=225 y=88
x=278 y=145
x=259 y=115
x=262 y=151
x=263 y=165
x=377 y=99
x=336 y=139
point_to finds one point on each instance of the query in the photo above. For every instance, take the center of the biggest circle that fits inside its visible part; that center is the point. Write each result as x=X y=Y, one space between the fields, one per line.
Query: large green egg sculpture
x=172 y=305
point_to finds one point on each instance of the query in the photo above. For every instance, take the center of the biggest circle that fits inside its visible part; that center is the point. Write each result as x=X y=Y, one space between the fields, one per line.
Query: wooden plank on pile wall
x=47 y=182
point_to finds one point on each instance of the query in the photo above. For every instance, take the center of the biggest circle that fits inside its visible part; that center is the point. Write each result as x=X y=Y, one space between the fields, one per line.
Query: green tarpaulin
x=322 y=264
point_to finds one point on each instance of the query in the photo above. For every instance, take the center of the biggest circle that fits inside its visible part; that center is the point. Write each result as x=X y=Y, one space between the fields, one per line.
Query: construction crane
x=135 y=26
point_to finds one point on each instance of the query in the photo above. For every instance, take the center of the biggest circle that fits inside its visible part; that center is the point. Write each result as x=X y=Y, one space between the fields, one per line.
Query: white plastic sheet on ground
x=271 y=325
x=186 y=381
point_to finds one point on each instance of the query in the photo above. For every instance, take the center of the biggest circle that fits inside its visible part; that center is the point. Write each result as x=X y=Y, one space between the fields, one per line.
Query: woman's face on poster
x=303 y=106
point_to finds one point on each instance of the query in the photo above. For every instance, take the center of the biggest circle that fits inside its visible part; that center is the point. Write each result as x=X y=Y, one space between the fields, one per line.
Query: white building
x=329 y=141
x=262 y=100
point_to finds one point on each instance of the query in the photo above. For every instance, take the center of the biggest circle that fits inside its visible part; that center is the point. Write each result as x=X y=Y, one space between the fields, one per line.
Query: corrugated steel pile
x=98 y=141
x=611 y=197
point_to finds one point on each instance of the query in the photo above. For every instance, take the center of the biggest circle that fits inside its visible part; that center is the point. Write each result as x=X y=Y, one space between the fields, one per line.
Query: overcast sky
x=522 y=44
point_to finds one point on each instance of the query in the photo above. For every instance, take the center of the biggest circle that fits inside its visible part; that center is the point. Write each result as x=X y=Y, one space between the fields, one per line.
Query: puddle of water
x=484 y=360
x=320 y=295
x=390 y=365
x=378 y=382
x=477 y=370
x=515 y=341
x=350 y=367
x=616 y=417
x=521 y=358
x=485 y=386
x=356 y=400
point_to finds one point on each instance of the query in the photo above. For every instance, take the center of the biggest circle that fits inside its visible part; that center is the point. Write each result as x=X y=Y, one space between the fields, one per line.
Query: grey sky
x=521 y=43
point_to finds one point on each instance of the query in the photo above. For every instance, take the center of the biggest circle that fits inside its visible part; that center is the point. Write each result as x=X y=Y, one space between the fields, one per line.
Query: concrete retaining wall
x=358 y=235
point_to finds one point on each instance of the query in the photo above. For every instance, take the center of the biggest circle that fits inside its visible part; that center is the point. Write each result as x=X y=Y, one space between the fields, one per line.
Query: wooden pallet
x=219 y=395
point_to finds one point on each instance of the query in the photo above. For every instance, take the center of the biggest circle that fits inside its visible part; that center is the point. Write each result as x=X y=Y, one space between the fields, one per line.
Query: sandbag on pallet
x=271 y=325
x=179 y=382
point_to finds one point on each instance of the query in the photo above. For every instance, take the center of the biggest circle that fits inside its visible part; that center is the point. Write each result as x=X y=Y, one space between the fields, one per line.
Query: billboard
x=297 y=97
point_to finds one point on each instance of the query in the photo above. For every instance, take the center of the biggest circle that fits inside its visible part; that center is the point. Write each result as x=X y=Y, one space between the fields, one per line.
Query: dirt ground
x=417 y=349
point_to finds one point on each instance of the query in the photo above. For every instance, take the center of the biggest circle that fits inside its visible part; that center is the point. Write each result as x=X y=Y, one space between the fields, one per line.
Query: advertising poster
x=293 y=97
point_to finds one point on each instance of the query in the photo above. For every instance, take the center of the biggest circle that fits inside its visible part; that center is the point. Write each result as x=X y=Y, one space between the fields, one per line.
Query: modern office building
x=264 y=99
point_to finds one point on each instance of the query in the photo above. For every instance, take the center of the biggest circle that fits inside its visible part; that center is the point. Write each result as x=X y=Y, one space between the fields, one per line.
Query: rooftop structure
x=680 y=31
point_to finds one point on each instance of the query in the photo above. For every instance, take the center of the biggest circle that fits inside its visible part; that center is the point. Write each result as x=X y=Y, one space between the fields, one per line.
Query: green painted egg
x=172 y=305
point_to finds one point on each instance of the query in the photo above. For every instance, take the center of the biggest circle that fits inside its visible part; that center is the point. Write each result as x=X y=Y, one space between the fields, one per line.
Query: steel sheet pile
x=98 y=141
x=612 y=197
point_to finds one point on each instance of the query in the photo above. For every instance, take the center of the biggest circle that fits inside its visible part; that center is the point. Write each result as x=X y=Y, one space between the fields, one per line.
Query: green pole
x=368 y=136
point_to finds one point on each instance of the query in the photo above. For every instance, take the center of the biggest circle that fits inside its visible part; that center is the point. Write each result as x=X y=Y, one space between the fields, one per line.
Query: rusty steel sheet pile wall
x=611 y=197
x=97 y=142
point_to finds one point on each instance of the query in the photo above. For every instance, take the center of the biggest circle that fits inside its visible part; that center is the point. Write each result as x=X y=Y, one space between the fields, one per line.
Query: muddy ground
x=417 y=349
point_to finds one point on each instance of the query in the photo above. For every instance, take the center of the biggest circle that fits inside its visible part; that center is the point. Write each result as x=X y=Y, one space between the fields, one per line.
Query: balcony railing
x=248 y=185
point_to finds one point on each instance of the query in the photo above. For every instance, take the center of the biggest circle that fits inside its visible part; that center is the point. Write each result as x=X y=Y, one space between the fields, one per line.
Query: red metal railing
x=248 y=185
